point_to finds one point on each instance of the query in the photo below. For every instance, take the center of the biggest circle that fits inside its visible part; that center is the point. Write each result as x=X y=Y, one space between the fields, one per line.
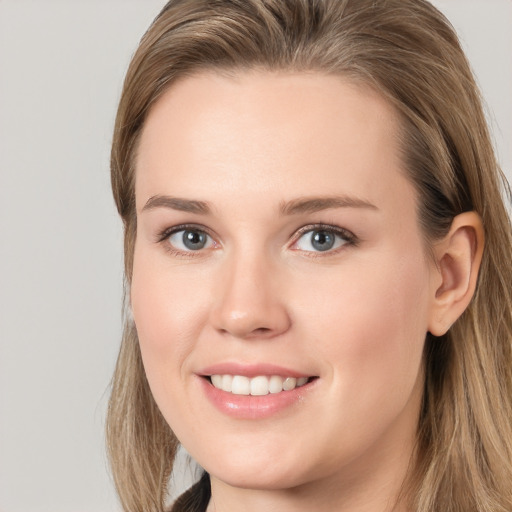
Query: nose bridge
x=248 y=303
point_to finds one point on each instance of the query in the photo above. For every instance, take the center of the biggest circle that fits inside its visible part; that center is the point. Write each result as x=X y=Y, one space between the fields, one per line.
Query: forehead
x=269 y=135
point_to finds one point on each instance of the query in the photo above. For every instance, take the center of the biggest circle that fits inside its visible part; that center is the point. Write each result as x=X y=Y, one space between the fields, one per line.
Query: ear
x=458 y=256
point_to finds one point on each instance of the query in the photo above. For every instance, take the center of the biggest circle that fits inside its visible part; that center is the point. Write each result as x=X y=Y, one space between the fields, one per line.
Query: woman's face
x=277 y=244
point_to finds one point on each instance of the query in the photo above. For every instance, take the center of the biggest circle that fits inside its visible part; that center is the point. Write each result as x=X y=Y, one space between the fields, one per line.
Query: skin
x=355 y=316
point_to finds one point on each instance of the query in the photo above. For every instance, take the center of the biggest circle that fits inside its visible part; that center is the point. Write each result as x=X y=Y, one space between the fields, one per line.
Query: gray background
x=61 y=69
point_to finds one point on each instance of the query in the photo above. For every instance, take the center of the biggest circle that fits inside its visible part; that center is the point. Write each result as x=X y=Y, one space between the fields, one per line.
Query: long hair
x=408 y=52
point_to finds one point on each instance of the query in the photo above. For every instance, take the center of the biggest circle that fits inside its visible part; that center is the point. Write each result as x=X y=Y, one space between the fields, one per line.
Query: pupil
x=322 y=240
x=194 y=240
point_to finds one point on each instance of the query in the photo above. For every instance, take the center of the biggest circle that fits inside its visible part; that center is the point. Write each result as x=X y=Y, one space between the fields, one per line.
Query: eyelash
x=347 y=236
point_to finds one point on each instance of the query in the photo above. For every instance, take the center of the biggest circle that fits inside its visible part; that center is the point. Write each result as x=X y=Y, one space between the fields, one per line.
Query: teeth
x=227 y=381
x=217 y=381
x=257 y=386
x=289 y=383
x=301 y=381
x=275 y=384
x=241 y=385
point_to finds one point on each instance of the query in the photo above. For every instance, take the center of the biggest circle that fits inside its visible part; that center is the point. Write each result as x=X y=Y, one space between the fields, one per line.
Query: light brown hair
x=409 y=53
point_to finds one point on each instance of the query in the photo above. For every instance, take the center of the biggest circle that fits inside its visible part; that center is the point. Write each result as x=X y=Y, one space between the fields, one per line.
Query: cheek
x=371 y=324
x=166 y=310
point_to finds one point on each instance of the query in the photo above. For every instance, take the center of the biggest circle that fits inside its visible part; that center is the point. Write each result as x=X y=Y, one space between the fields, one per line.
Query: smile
x=257 y=386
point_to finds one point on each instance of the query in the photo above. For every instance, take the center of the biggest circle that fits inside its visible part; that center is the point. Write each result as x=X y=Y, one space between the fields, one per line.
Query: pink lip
x=253 y=407
x=250 y=370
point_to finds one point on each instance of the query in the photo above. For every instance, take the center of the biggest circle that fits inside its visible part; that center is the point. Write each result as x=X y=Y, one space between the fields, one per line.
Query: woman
x=317 y=263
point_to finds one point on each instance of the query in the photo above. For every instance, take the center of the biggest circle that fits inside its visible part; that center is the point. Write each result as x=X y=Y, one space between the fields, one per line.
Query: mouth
x=256 y=391
x=260 y=385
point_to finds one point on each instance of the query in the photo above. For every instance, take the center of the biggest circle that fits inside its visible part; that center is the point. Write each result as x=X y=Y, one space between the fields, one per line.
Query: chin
x=256 y=470
x=266 y=478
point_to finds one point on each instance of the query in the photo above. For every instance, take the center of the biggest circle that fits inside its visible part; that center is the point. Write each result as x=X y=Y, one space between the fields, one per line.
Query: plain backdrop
x=61 y=69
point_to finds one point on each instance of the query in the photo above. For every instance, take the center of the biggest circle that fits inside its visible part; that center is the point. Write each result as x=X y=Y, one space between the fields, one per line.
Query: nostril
x=259 y=332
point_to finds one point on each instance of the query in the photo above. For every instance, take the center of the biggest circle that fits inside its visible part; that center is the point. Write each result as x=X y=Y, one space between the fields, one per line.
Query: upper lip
x=250 y=370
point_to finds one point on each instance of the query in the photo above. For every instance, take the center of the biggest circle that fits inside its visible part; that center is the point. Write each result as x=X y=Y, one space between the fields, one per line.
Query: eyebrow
x=177 y=203
x=316 y=204
x=293 y=207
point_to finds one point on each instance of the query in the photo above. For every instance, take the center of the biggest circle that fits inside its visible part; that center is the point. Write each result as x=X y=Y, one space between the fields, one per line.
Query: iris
x=194 y=240
x=322 y=240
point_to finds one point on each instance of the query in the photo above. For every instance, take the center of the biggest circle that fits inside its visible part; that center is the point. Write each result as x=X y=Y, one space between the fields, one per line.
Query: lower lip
x=255 y=407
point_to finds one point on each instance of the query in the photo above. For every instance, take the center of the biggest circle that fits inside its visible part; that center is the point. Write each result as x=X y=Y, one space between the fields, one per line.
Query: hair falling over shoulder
x=408 y=52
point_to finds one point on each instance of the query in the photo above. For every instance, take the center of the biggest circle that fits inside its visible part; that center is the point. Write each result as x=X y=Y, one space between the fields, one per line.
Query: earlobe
x=458 y=256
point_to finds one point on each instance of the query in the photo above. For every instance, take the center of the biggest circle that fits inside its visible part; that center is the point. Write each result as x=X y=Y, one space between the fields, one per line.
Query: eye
x=186 y=240
x=322 y=240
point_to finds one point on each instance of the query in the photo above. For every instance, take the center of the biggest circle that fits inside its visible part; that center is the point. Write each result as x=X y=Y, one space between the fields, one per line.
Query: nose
x=249 y=301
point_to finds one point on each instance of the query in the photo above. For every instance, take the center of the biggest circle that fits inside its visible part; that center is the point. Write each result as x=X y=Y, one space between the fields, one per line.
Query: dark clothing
x=196 y=498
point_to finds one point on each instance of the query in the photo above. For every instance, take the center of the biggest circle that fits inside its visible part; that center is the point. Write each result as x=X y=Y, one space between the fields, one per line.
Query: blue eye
x=187 y=240
x=321 y=240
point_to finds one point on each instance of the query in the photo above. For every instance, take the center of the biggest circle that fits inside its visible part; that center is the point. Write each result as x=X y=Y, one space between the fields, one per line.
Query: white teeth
x=257 y=386
x=217 y=381
x=226 y=382
x=301 y=381
x=275 y=384
x=289 y=383
x=241 y=385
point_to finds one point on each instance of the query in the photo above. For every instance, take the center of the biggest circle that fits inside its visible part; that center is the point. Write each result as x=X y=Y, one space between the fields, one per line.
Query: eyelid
x=167 y=232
